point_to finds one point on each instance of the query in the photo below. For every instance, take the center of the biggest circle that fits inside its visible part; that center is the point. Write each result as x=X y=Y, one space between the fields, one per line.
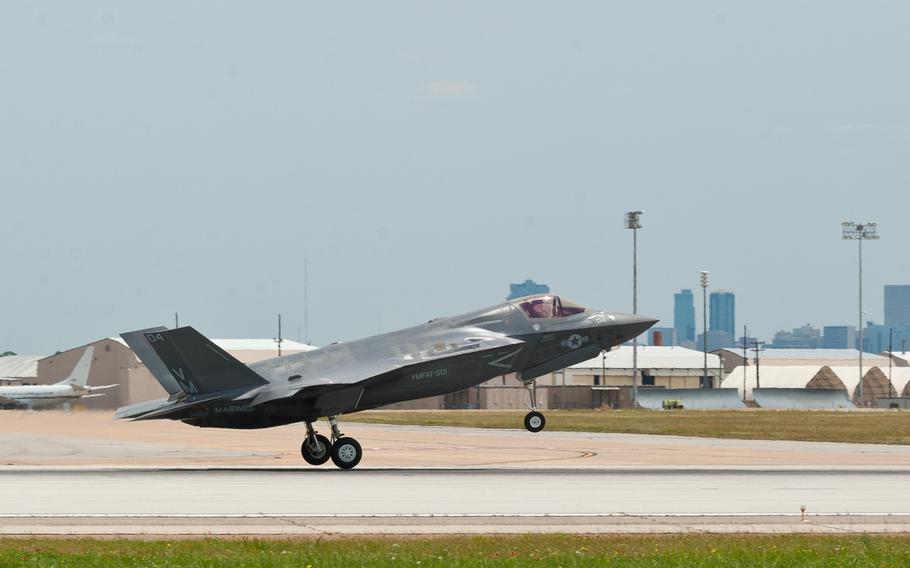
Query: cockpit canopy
x=547 y=306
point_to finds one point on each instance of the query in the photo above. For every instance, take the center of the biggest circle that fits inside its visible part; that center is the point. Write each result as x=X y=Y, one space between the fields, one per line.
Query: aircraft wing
x=360 y=371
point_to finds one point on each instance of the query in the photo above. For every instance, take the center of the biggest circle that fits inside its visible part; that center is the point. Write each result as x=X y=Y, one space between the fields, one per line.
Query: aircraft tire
x=346 y=452
x=317 y=458
x=535 y=421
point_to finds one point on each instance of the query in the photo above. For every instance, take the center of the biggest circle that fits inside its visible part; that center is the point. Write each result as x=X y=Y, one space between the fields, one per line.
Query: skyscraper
x=897 y=305
x=723 y=312
x=839 y=337
x=684 y=316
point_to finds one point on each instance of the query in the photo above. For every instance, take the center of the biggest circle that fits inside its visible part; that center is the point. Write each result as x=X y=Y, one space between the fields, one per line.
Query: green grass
x=887 y=427
x=624 y=551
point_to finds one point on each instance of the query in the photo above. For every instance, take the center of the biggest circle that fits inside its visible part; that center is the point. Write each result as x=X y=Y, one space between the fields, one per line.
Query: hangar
x=22 y=367
x=733 y=358
x=813 y=386
x=658 y=366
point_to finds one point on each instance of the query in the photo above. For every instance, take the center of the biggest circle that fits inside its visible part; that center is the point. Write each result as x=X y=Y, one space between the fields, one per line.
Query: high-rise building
x=723 y=312
x=526 y=288
x=684 y=316
x=878 y=338
x=897 y=305
x=839 y=337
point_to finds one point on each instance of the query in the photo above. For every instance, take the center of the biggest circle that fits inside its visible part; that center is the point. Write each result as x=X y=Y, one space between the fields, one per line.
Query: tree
x=6 y=353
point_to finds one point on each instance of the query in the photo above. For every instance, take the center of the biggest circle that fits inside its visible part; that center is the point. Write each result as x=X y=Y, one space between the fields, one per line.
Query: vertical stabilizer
x=79 y=374
x=184 y=360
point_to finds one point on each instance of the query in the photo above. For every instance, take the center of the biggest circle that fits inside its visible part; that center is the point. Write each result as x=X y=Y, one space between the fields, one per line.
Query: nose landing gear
x=534 y=420
x=344 y=452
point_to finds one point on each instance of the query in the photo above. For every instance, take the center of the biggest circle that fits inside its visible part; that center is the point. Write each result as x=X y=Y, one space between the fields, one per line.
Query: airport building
x=814 y=386
x=732 y=358
x=22 y=367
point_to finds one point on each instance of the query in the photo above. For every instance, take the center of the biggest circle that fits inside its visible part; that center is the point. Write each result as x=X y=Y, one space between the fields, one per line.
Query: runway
x=420 y=501
x=86 y=474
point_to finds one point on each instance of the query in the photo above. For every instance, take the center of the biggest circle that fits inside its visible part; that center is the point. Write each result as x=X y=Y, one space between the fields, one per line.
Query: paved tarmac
x=95 y=439
x=276 y=500
x=85 y=474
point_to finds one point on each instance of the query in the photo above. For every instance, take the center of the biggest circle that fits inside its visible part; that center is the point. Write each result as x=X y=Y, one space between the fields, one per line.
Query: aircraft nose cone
x=632 y=325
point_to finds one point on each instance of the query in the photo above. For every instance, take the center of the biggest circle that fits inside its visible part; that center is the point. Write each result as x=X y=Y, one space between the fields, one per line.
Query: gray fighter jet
x=530 y=336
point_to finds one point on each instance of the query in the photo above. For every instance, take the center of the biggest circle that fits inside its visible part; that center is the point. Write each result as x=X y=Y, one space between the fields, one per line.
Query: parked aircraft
x=531 y=336
x=69 y=389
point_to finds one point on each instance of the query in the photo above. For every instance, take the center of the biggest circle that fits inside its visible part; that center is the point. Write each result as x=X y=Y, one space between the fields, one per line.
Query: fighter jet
x=530 y=336
x=70 y=389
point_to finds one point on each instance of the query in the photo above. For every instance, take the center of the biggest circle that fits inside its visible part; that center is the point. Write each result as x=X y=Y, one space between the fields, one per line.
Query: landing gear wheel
x=316 y=455
x=534 y=421
x=346 y=452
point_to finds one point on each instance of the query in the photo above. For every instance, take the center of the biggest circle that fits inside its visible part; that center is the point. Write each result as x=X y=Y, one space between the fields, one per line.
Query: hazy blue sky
x=186 y=156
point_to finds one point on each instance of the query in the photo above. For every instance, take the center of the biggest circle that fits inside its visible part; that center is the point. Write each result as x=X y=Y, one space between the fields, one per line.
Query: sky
x=162 y=157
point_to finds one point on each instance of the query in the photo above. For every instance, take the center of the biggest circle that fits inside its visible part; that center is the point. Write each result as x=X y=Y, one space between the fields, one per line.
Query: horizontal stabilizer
x=140 y=408
x=102 y=387
x=175 y=407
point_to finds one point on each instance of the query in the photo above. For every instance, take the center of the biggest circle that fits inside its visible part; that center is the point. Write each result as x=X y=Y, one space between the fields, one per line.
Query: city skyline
x=877 y=338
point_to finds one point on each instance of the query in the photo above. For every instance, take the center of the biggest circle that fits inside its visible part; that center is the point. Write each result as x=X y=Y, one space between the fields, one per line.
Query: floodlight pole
x=633 y=221
x=705 y=275
x=862 y=401
x=860 y=232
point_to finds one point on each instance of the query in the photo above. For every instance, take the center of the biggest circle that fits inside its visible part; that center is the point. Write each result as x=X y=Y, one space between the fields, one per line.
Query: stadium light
x=853 y=231
x=705 y=276
x=633 y=221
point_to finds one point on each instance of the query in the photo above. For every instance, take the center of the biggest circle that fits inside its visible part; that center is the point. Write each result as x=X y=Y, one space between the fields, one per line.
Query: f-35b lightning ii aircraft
x=530 y=336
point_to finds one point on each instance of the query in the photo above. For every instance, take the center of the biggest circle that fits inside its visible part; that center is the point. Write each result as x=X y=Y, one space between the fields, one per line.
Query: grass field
x=624 y=551
x=886 y=427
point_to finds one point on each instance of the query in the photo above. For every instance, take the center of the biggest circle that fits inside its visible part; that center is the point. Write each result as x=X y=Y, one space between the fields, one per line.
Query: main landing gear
x=534 y=421
x=316 y=449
